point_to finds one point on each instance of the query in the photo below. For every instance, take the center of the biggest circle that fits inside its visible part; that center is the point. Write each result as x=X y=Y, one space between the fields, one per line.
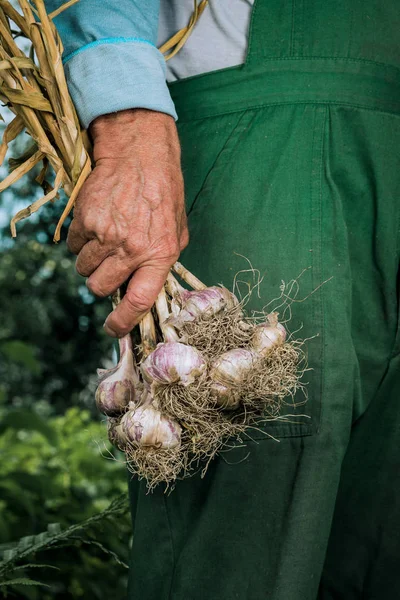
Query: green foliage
x=56 y=470
x=51 y=335
x=55 y=538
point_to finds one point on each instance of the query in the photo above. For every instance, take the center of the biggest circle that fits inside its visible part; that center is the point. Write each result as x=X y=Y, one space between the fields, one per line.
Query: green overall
x=293 y=161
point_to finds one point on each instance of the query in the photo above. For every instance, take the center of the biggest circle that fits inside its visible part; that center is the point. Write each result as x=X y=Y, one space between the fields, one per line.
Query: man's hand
x=129 y=217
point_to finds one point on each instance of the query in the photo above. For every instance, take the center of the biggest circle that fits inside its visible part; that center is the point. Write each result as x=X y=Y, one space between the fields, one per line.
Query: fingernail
x=109 y=331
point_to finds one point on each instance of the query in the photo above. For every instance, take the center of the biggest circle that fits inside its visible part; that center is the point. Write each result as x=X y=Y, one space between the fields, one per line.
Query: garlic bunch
x=146 y=426
x=118 y=386
x=268 y=335
x=173 y=362
x=227 y=373
x=202 y=304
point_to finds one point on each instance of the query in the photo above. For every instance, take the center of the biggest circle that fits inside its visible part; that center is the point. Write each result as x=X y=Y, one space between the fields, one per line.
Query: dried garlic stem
x=168 y=331
x=173 y=287
x=187 y=276
x=116 y=298
x=148 y=334
x=61 y=9
x=29 y=210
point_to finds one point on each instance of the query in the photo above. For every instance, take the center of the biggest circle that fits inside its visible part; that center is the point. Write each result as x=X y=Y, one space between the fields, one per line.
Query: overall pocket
x=207 y=145
x=259 y=201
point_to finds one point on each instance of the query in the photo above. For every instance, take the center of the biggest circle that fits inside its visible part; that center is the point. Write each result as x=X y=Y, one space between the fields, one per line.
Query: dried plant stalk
x=178 y=40
x=12 y=130
x=21 y=170
x=147 y=334
x=188 y=277
x=38 y=95
x=168 y=331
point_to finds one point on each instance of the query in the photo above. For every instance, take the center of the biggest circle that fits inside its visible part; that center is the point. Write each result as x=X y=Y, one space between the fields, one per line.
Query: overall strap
x=363 y=31
x=305 y=51
x=271 y=34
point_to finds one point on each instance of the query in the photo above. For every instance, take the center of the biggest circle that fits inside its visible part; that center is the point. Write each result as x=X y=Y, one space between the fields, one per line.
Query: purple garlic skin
x=146 y=426
x=228 y=372
x=118 y=386
x=268 y=335
x=115 y=434
x=173 y=362
x=203 y=304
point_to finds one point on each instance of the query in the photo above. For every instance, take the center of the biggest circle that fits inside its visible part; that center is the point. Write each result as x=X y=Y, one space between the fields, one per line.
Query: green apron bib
x=292 y=160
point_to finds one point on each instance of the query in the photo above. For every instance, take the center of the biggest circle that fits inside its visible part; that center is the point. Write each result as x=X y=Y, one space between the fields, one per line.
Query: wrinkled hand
x=129 y=217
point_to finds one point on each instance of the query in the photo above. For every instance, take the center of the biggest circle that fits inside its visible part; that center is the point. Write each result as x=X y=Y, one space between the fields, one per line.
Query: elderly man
x=289 y=124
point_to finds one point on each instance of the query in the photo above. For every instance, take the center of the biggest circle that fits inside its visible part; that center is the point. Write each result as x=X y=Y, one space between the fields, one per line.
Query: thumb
x=140 y=296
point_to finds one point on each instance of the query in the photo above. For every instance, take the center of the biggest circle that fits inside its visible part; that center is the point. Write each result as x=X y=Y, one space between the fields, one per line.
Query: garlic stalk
x=187 y=276
x=118 y=386
x=173 y=362
x=268 y=335
x=176 y=291
x=146 y=426
x=147 y=334
x=228 y=372
x=168 y=331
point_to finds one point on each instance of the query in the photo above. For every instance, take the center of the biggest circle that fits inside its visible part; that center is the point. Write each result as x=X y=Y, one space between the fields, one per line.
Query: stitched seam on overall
x=345 y=59
x=320 y=267
x=286 y=58
x=313 y=180
x=251 y=36
x=172 y=547
x=289 y=103
x=292 y=32
x=396 y=345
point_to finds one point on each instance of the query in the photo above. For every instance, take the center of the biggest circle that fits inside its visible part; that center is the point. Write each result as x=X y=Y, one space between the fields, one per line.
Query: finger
x=140 y=296
x=90 y=257
x=110 y=274
x=184 y=232
x=76 y=237
x=184 y=239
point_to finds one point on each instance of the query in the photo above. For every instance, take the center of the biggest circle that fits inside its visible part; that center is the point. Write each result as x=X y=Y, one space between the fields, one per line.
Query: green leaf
x=22 y=581
x=28 y=420
x=35 y=566
x=21 y=353
x=105 y=550
x=54 y=535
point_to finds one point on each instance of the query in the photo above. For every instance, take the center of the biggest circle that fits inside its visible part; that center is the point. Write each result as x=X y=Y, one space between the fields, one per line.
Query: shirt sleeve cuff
x=107 y=76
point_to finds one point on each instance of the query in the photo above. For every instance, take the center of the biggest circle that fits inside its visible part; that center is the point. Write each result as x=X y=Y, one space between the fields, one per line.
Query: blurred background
x=59 y=536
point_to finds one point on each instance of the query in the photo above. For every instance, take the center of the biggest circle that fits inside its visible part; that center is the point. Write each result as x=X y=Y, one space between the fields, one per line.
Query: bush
x=57 y=470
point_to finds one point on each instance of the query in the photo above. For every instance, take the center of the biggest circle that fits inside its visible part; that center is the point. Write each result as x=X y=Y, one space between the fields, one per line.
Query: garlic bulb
x=226 y=397
x=115 y=433
x=173 y=362
x=146 y=426
x=117 y=387
x=268 y=335
x=227 y=373
x=203 y=304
